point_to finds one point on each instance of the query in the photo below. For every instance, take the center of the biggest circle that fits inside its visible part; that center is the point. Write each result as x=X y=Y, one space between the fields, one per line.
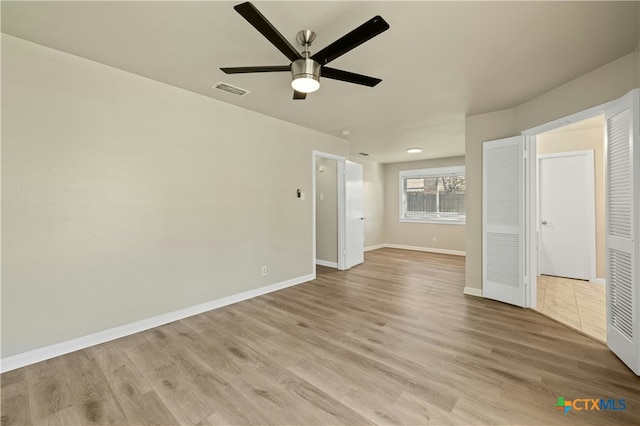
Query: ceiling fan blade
x=355 y=38
x=299 y=95
x=268 y=68
x=260 y=23
x=349 y=77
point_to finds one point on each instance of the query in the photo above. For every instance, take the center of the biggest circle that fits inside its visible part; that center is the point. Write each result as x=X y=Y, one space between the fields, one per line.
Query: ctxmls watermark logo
x=589 y=404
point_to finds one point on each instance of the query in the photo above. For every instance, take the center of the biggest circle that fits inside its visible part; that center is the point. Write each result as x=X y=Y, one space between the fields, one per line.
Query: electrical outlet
x=264 y=271
x=435 y=239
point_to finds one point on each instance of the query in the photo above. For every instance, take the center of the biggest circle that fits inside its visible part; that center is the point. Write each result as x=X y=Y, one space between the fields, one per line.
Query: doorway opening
x=326 y=201
x=622 y=207
x=571 y=260
x=337 y=205
x=328 y=214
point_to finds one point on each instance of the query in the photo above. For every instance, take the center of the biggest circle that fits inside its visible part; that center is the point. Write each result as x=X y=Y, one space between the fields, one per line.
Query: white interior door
x=566 y=218
x=354 y=210
x=503 y=213
x=623 y=233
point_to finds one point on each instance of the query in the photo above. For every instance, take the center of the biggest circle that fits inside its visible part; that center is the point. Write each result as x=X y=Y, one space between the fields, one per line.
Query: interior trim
x=326 y=263
x=477 y=292
x=427 y=249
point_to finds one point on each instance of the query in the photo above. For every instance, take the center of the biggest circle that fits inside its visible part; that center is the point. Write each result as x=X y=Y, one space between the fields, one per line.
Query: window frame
x=428 y=173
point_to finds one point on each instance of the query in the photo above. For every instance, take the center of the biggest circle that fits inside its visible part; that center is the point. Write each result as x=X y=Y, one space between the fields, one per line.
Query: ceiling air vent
x=234 y=90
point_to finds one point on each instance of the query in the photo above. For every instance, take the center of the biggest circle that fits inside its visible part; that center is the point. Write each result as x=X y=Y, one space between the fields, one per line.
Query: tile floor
x=578 y=304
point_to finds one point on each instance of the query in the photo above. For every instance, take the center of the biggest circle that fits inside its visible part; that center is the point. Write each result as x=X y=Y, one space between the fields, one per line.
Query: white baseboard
x=326 y=263
x=471 y=291
x=52 y=351
x=427 y=249
x=376 y=247
x=600 y=281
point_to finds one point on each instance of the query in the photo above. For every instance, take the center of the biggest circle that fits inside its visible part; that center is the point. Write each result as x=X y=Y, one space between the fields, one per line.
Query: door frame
x=591 y=212
x=341 y=206
x=531 y=203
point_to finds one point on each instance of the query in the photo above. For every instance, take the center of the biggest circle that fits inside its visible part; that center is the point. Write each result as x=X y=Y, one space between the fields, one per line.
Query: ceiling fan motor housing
x=305 y=68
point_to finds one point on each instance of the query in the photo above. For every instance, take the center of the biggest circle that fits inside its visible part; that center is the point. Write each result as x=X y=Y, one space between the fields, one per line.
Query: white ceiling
x=439 y=61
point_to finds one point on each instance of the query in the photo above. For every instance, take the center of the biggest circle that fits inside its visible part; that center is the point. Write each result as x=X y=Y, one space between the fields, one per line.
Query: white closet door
x=503 y=213
x=623 y=233
x=354 y=224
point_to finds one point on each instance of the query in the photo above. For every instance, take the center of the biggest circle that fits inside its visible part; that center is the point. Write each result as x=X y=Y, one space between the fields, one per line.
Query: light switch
x=302 y=196
x=321 y=197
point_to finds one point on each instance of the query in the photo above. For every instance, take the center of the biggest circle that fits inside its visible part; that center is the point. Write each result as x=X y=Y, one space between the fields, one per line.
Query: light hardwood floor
x=393 y=341
x=578 y=304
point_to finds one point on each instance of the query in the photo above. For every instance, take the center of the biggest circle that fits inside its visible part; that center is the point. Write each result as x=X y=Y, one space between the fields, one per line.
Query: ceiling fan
x=306 y=69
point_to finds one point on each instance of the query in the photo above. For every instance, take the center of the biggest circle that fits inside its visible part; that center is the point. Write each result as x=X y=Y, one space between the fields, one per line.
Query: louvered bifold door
x=503 y=220
x=623 y=233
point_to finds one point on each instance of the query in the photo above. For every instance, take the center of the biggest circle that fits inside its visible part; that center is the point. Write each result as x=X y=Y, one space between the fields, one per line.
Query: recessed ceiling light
x=345 y=132
x=364 y=154
x=414 y=150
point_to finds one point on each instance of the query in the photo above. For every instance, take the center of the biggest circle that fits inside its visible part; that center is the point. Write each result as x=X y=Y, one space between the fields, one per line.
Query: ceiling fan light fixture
x=305 y=84
x=305 y=75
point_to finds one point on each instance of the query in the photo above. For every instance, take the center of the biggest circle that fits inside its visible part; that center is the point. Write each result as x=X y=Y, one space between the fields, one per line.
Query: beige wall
x=597 y=87
x=589 y=139
x=449 y=237
x=125 y=198
x=374 y=201
x=479 y=128
x=327 y=210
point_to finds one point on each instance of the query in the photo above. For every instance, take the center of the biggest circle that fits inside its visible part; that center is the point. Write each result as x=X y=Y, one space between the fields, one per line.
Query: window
x=433 y=195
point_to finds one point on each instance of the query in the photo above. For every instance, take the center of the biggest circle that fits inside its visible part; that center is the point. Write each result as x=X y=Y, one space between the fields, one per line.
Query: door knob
x=544 y=222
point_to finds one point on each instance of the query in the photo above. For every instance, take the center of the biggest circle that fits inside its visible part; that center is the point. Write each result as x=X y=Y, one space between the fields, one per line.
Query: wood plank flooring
x=392 y=341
